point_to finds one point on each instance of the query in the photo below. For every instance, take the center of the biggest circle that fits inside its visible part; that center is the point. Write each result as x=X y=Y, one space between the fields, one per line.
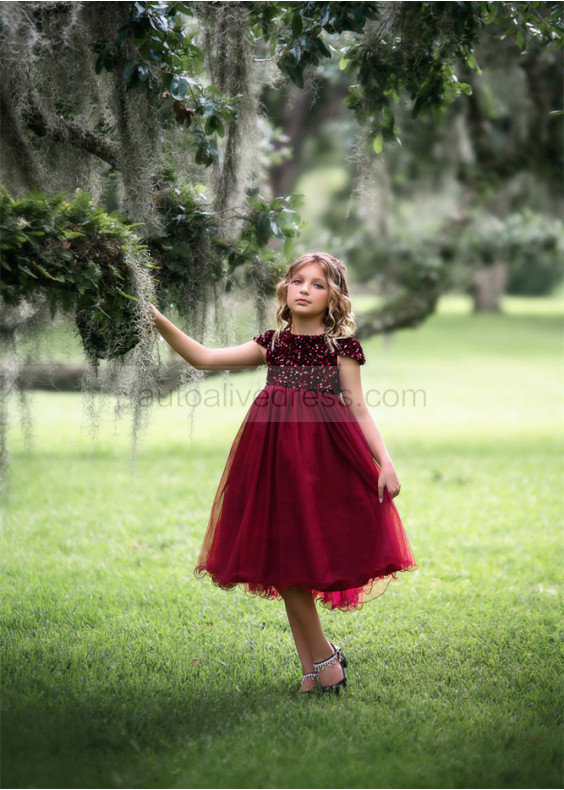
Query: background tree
x=483 y=159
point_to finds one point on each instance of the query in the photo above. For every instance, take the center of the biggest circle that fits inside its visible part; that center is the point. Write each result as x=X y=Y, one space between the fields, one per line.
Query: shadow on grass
x=145 y=732
x=420 y=725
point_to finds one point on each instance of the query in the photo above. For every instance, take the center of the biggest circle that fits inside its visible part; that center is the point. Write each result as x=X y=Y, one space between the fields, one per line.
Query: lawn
x=120 y=669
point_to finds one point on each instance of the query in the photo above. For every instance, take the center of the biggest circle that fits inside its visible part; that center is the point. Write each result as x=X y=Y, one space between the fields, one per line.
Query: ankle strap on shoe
x=319 y=665
x=309 y=675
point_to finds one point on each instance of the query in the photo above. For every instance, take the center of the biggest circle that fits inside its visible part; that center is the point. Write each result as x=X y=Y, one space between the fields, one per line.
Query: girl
x=304 y=508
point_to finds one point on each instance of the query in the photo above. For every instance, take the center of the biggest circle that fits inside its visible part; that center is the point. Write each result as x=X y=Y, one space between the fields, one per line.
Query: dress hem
x=351 y=597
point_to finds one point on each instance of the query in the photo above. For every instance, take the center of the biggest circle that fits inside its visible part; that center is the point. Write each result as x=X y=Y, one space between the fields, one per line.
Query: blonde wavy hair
x=339 y=320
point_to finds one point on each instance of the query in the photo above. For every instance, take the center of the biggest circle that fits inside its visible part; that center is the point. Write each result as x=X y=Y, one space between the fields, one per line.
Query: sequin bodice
x=306 y=361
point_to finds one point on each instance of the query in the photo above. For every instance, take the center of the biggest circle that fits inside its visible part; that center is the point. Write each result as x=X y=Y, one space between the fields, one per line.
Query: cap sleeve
x=265 y=339
x=350 y=347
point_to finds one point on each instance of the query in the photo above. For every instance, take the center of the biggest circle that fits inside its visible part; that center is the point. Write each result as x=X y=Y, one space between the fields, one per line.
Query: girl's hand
x=247 y=355
x=155 y=314
x=388 y=479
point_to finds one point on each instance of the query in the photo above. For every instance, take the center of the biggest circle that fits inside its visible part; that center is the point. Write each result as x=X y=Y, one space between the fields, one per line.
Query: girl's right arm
x=248 y=355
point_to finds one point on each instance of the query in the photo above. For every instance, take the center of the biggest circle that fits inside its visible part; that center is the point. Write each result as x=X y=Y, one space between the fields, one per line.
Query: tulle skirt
x=297 y=505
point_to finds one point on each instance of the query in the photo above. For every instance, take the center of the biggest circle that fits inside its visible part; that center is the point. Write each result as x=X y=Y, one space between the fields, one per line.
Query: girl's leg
x=302 y=646
x=302 y=610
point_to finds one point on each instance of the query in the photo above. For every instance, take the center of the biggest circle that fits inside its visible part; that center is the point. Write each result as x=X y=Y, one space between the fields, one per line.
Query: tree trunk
x=488 y=287
x=303 y=118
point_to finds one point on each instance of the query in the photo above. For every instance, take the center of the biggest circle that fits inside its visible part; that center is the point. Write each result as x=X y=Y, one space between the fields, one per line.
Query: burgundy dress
x=297 y=503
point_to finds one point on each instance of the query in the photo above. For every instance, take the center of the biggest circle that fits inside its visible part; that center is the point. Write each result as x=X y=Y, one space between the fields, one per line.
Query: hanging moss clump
x=72 y=258
x=79 y=260
x=229 y=61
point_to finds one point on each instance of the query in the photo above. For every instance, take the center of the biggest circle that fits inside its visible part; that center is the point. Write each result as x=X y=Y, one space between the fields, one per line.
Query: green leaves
x=265 y=222
x=416 y=58
x=297 y=35
x=193 y=255
x=179 y=87
x=531 y=243
x=537 y=23
x=275 y=219
x=206 y=150
x=166 y=61
x=78 y=257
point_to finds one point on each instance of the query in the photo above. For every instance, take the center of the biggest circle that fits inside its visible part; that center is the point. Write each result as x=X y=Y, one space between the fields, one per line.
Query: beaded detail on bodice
x=306 y=361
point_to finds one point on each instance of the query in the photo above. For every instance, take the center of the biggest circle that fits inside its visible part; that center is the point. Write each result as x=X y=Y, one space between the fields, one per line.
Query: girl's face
x=307 y=294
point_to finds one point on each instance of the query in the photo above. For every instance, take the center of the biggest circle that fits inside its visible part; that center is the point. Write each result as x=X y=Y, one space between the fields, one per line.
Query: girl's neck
x=305 y=327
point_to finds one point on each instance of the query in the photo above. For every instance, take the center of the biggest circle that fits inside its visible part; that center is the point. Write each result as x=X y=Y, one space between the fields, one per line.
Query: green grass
x=120 y=669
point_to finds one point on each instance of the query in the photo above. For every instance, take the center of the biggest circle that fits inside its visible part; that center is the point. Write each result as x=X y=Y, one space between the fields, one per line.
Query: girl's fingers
x=381 y=486
x=393 y=488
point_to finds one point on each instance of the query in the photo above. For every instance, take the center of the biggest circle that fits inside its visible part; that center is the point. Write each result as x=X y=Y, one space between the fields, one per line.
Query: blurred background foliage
x=476 y=184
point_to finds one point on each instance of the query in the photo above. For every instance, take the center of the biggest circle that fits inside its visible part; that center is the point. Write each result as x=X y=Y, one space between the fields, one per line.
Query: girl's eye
x=318 y=285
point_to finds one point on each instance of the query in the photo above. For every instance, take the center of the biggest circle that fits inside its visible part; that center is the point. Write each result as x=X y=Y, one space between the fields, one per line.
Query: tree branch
x=62 y=131
x=407 y=311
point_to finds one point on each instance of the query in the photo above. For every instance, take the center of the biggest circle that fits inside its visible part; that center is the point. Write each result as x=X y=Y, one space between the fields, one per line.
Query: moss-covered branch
x=61 y=130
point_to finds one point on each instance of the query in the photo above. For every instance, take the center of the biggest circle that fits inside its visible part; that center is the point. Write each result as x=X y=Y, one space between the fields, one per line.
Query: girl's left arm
x=351 y=388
